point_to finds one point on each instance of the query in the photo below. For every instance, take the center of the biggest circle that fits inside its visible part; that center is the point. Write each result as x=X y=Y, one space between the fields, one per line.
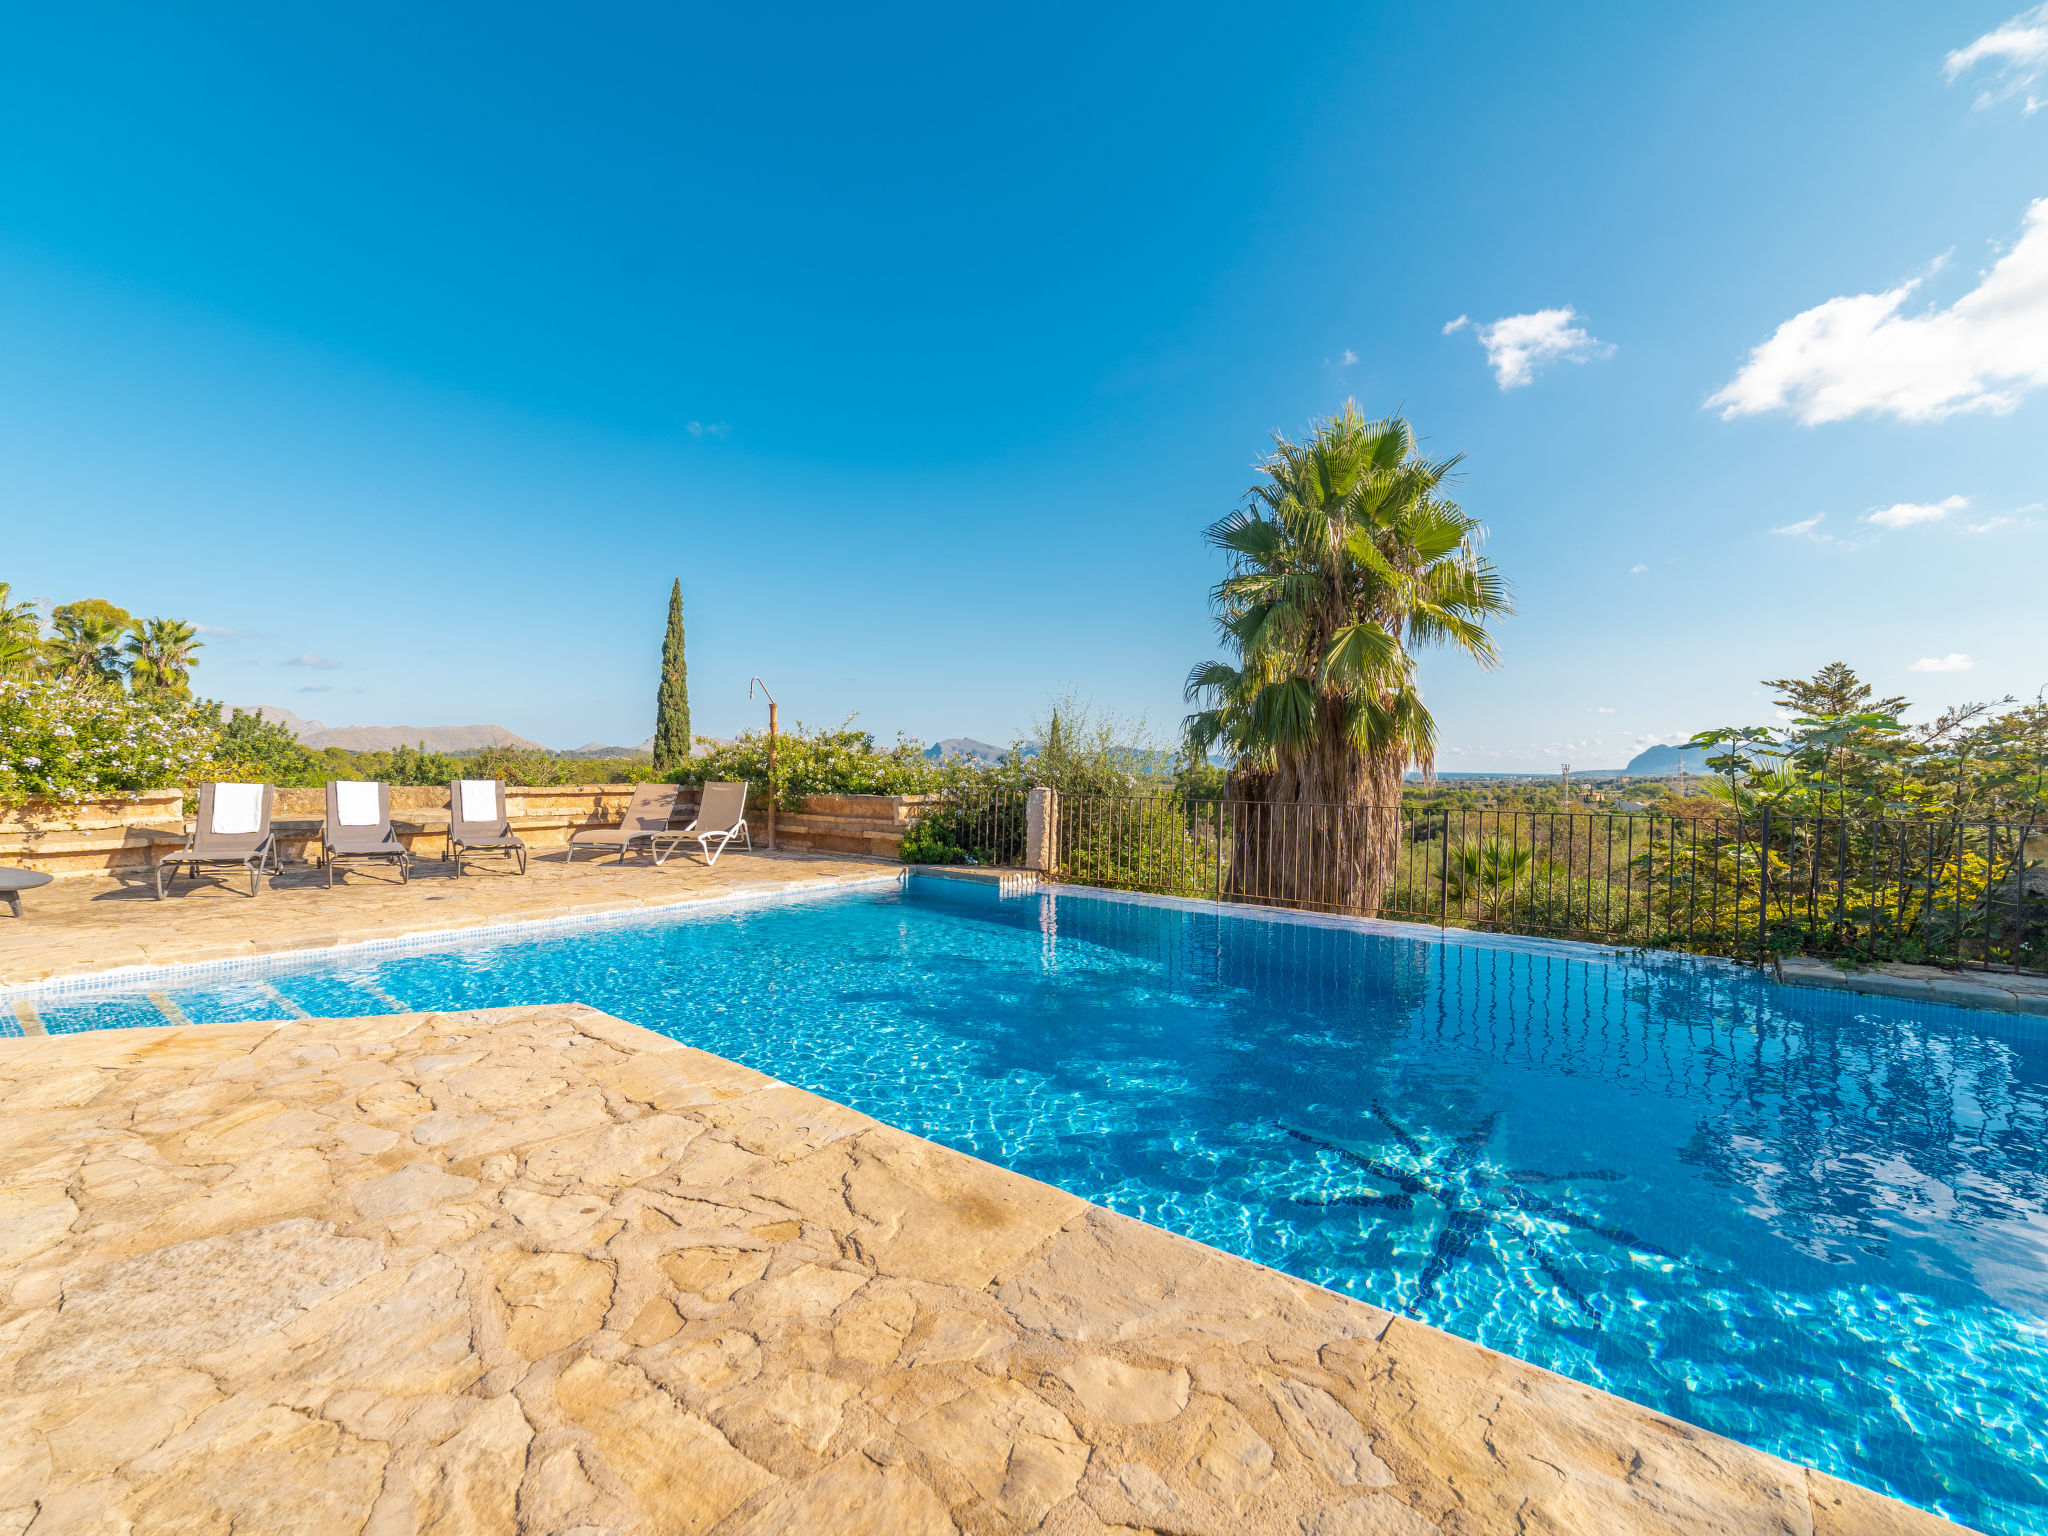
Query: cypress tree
x=672 y=702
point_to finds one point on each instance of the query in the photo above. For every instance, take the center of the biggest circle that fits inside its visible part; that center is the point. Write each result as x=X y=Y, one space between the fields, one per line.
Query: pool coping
x=178 y=973
x=1975 y=994
x=182 y=972
x=1799 y=974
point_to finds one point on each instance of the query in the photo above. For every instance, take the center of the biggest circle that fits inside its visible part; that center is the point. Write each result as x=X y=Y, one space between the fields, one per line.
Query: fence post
x=1041 y=830
x=1443 y=884
x=1219 y=850
x=1763 y=885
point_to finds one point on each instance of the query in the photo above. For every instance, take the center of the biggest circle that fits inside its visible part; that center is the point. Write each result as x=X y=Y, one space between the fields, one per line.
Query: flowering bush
x=64 y=740
x=825 y=762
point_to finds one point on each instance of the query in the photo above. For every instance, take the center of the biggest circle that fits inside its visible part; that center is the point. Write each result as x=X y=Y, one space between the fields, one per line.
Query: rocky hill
x=374 y=738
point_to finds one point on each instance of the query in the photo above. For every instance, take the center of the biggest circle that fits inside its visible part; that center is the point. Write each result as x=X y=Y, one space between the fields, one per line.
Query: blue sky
x=415 y=355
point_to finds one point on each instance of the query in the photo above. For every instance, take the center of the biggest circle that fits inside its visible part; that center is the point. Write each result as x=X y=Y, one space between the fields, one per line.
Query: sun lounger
x=358 y=828
x=646 y=820
x=721 y=817
x=477 y=822
x=232 y=831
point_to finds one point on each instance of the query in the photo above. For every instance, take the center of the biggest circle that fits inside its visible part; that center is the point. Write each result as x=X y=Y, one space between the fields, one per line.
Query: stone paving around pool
x=539 y=1271
x=1999 y=991
x=78 y=926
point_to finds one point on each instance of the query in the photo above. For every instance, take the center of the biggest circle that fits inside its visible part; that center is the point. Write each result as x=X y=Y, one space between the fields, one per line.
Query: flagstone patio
x=539 y=1271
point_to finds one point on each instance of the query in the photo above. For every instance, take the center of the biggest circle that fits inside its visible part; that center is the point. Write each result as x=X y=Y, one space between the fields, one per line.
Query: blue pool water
x=1814 y=1222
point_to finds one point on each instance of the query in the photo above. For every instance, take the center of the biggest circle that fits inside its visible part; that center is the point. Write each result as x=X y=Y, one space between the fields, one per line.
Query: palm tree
x=1486 y=865
x=87 y=643
x=18 y=656
x=160 y=659
x=1348 y=555
x=20 y=634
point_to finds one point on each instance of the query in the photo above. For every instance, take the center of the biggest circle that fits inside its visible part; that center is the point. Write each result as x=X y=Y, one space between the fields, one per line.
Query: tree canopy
x=1348 y=556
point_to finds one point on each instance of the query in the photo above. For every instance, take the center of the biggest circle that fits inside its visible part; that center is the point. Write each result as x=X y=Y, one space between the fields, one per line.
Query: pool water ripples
x=1813 y=1221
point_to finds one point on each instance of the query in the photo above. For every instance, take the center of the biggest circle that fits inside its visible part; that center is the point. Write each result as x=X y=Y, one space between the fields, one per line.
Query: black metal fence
x=1746 y=886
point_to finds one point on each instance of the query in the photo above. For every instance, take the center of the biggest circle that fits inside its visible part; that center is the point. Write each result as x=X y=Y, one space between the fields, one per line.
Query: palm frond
x=1361 y=656
x=1210 y=677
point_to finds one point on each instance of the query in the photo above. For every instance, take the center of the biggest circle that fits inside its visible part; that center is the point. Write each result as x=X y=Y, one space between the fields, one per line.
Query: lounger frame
x=469 y=838
x=204 y=848
x=646 y=820
x=341 y=846
x=731 y=799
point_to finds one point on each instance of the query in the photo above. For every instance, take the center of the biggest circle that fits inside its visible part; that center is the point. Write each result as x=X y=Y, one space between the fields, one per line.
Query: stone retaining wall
x=866 y=824
x=99 y=837
x=90 y=838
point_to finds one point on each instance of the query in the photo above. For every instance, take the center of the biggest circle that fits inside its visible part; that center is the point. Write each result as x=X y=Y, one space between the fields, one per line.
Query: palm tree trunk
x=1320 y=831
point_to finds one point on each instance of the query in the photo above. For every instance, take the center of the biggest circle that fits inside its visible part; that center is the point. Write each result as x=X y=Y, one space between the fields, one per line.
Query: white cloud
x=2019 y=48
x=1804 y=527
x=1859 y=355
x=1907 y=513
x=708 y=429
x=1350 y=357
x=1517 y=345
x=1457 y=325
x=1637 y=570
x=2019 y=517
x=1954 y=661
x=307 y=659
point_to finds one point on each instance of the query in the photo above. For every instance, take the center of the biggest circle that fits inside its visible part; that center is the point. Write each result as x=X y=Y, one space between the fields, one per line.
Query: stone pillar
x=1041 y=830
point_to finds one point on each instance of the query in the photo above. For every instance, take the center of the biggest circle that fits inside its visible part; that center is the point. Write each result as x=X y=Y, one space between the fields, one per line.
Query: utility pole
x=771 y=756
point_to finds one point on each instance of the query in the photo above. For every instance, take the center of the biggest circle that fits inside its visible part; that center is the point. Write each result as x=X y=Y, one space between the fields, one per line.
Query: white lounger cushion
x=237 y=808
x=479 y=799
x=356 y=803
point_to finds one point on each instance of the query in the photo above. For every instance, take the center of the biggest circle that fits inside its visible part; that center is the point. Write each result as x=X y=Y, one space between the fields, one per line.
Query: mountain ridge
x=382 y=738
x=1668 y=759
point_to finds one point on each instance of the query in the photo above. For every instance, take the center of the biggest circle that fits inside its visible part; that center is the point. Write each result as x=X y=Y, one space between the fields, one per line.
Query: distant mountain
x=599 y=749
x=965 y=749
x=376 y=738
x=1668 y=760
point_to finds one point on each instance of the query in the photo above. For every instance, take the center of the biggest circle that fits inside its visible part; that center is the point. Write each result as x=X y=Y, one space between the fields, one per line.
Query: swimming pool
x=1811 y=1221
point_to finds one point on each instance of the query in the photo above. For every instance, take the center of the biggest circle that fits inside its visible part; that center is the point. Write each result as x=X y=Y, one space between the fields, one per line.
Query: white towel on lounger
x=237 y=808
x=355 y=802
x=480 y=800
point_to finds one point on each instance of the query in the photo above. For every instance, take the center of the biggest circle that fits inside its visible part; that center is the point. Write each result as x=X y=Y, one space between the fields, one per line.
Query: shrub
x=65 y=740
x=253 y=748
x=826 y=762
x=930 y=840
x=531 y=766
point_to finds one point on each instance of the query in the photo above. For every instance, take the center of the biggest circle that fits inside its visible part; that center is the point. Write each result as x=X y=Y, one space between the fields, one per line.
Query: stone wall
x=92 y=837
x=866 y=824
x=122 y=833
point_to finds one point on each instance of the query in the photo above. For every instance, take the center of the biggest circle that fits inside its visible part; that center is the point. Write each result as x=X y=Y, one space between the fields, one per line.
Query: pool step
x=1008 y=882
x=282 y=1001
x=172 y=1013
x=382 y=996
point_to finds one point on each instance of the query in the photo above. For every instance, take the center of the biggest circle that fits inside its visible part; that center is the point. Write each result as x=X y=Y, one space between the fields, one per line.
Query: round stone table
x=14 y=881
